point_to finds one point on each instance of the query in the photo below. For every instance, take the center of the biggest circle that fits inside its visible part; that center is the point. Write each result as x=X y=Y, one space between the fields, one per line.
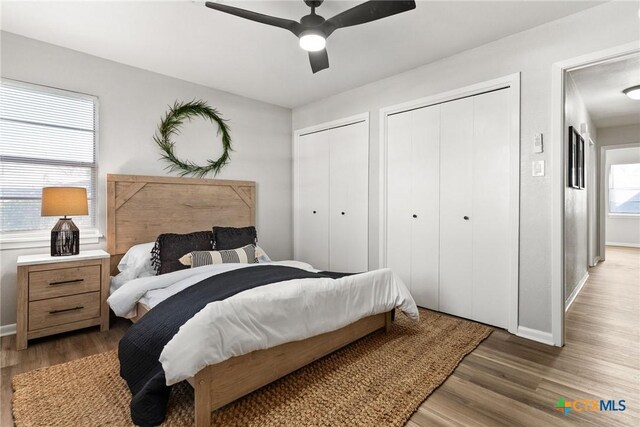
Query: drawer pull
x=65 y=282
x=80 y=307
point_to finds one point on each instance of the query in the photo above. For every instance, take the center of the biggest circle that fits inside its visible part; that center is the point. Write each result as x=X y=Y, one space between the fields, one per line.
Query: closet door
x=425 y=207
x=348 y=198
x=399 y=196
x=456 y=216
x=312 y=187
x=412 y=201
x=491 y=196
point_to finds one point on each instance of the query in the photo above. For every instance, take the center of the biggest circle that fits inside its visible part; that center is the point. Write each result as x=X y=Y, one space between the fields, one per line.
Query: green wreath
x=170 y=126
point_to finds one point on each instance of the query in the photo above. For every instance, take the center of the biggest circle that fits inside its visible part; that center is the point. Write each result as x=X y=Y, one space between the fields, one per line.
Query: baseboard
x=535 y=335
x=576 y=291
x=7 y=330
x=596 y=260
x=626 y=245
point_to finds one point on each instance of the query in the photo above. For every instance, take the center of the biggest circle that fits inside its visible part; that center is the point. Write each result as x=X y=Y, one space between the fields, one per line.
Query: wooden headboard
x=139 y=208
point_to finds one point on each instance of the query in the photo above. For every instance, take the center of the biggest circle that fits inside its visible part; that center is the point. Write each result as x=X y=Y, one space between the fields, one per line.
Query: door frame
x=558 y=74
x=592 y=174
x=512 y=82
x=345 y=121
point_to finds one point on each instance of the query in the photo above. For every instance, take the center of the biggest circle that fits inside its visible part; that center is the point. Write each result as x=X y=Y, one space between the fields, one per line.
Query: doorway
x=591 y=111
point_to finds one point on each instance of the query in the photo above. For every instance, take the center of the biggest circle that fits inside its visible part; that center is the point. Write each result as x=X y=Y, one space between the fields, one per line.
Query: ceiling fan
x=313 y=30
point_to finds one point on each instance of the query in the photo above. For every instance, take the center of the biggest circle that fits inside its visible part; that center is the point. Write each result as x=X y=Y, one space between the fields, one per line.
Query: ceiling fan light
x=312 y=42
x=633 y=92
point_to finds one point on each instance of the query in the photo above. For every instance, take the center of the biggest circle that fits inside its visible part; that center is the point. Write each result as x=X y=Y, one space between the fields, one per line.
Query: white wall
x=575 y=200
x=531 y=52
x=621 y=229
x=619 y=135
x=131 y=102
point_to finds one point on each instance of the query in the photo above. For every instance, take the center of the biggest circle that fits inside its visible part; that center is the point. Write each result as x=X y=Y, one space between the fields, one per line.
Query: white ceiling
x=184 y=39
x=601 y=87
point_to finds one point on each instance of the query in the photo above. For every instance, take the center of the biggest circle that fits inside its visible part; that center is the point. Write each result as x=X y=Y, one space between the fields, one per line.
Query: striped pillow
x=243 y=255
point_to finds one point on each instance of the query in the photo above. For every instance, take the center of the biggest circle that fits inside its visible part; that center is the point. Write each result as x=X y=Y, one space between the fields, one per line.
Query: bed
x=130 y=199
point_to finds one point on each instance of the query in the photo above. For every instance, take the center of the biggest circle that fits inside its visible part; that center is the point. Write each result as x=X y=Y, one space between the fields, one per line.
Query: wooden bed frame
x=139 y=208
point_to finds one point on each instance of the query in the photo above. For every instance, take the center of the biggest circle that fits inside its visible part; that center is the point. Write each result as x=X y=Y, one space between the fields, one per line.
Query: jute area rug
x=378 y=381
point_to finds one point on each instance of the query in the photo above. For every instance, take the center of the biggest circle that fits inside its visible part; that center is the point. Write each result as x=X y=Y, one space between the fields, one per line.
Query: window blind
x=47 y=139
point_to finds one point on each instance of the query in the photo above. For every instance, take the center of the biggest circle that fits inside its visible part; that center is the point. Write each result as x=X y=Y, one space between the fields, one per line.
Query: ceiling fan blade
x=367 y=12
x=287 y=24
x=319 y=60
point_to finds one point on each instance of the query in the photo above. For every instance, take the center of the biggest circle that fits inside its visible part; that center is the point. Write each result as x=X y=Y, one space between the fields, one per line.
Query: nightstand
x=60 y=294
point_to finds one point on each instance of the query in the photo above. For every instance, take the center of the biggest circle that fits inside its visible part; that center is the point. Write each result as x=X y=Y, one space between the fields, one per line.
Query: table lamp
x=63 y=201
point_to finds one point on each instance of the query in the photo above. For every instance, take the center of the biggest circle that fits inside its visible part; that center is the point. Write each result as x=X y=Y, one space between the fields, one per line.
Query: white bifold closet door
x=349 y=198
x=313 y=200
x=332 y=184
x=491 y=208
x=412 y=201
x=474 y=208
x=456 y=172
x=448 y=200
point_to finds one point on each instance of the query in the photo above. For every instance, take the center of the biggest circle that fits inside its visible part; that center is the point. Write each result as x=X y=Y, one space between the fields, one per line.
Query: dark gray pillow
x=225 y=238
x=170 y=247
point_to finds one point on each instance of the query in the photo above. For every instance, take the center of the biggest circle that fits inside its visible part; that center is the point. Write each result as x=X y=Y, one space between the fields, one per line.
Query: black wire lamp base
x=65 y=238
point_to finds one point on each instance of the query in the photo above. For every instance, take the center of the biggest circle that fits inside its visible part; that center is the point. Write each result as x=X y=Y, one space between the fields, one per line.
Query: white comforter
x=262 y=317
x=152 y=290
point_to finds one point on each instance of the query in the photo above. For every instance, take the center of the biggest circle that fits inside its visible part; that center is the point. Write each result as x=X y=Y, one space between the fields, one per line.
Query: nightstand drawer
x=58 y=311
x=63 y=281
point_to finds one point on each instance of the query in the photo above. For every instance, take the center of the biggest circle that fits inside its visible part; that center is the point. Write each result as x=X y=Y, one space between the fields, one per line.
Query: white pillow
x=134 y=264
x=137 y=260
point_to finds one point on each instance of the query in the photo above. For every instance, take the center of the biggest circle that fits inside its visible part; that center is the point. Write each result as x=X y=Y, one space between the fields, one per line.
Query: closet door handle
x=415 y=216
x=466 y=218
x=342 y=213
x=314 y=211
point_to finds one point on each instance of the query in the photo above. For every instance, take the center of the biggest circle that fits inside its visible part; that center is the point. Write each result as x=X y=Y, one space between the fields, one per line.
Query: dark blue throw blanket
x=140 y=348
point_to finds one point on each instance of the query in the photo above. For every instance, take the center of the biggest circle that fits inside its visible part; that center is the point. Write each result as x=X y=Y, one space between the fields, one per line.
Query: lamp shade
x=62 y=201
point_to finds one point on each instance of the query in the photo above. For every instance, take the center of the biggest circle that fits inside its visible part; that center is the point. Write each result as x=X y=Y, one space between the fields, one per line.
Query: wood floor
x=506 y=381
x=512 y=381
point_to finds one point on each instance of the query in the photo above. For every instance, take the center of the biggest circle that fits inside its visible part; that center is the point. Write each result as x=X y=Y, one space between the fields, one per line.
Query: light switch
x=538 y=168
x=537 y=143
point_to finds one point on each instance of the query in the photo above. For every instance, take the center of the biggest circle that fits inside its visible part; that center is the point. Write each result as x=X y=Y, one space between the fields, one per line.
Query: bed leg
x=202 y=401
x=388 y=319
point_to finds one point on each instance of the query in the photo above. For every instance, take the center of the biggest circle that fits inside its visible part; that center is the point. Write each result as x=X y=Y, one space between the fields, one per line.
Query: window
x=624 y=189
x=47 y=138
